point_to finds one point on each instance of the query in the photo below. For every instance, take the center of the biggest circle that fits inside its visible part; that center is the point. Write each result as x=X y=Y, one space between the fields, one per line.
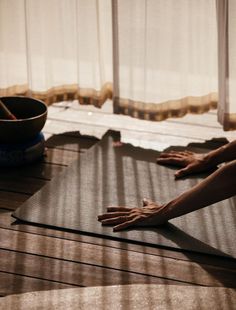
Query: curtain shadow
x=201 y=147
x=71 y=138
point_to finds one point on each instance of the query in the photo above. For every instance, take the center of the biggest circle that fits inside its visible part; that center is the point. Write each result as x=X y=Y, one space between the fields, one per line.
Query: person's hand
x=122 y=217
x=191 y=162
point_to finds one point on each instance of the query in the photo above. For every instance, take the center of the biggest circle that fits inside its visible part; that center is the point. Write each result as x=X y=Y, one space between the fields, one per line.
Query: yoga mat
x=122 y=175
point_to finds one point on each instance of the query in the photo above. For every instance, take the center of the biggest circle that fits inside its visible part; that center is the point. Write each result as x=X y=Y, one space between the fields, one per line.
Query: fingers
x=121 y=220
x=118 y=209
x=146 y=202
x=111 y=215
x=127 y=224
x=117 y=220
x=123 y=217
x=178 y=154
x=188 y=153
x=170 y=155
x=170 y=161
x=183 y=172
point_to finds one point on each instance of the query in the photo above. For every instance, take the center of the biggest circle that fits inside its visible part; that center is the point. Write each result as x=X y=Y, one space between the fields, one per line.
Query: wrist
x=213 y=158
x=216 y=157
x=176 y=207
x=168 y=210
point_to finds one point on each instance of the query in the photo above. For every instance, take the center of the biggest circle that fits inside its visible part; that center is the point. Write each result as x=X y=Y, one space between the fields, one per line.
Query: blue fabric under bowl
x=18 y=154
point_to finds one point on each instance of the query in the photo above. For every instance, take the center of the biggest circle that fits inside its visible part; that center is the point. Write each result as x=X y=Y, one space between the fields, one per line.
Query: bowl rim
x=25 y=119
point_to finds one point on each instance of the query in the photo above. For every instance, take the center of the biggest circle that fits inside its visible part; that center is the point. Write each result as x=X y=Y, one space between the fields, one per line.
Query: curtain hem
x=228 y=121
x=85 y=96
x=164 y=110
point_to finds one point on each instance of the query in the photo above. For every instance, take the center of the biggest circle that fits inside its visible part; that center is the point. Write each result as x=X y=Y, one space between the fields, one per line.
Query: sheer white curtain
x=226 y=20
x=167 y=57
x=56 y=49
x=157 y=58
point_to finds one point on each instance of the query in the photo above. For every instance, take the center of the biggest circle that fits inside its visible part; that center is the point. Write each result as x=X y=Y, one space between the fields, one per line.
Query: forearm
x=218 y=186
x=222 y=154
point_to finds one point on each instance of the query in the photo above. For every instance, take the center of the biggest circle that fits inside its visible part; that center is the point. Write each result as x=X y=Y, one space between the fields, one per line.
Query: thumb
x=183 y=172
x=146 y=201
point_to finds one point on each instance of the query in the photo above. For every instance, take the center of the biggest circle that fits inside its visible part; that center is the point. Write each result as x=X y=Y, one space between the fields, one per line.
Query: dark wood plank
x=17 y=284
x=38 y=170
x=30 y=178
x=70 y=272
x=119 y=259
x=25 y=185
x=11 y=200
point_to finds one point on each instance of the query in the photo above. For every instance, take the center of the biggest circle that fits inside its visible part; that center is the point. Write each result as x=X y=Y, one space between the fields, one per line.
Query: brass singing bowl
x=31 y=116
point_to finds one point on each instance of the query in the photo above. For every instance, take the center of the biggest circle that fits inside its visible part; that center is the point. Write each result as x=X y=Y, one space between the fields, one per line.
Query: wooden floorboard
x=11 y=200
x=9 y=223
x=70 y=272
x=25 y=185
x=40 y=170
x=117 y=259
x=12 y=283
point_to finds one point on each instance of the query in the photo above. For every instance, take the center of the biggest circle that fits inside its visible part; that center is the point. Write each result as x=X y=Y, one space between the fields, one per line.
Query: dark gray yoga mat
x=107 y=175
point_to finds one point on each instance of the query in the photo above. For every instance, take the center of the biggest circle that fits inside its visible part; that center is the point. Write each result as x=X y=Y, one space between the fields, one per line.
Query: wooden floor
x=34 y=258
